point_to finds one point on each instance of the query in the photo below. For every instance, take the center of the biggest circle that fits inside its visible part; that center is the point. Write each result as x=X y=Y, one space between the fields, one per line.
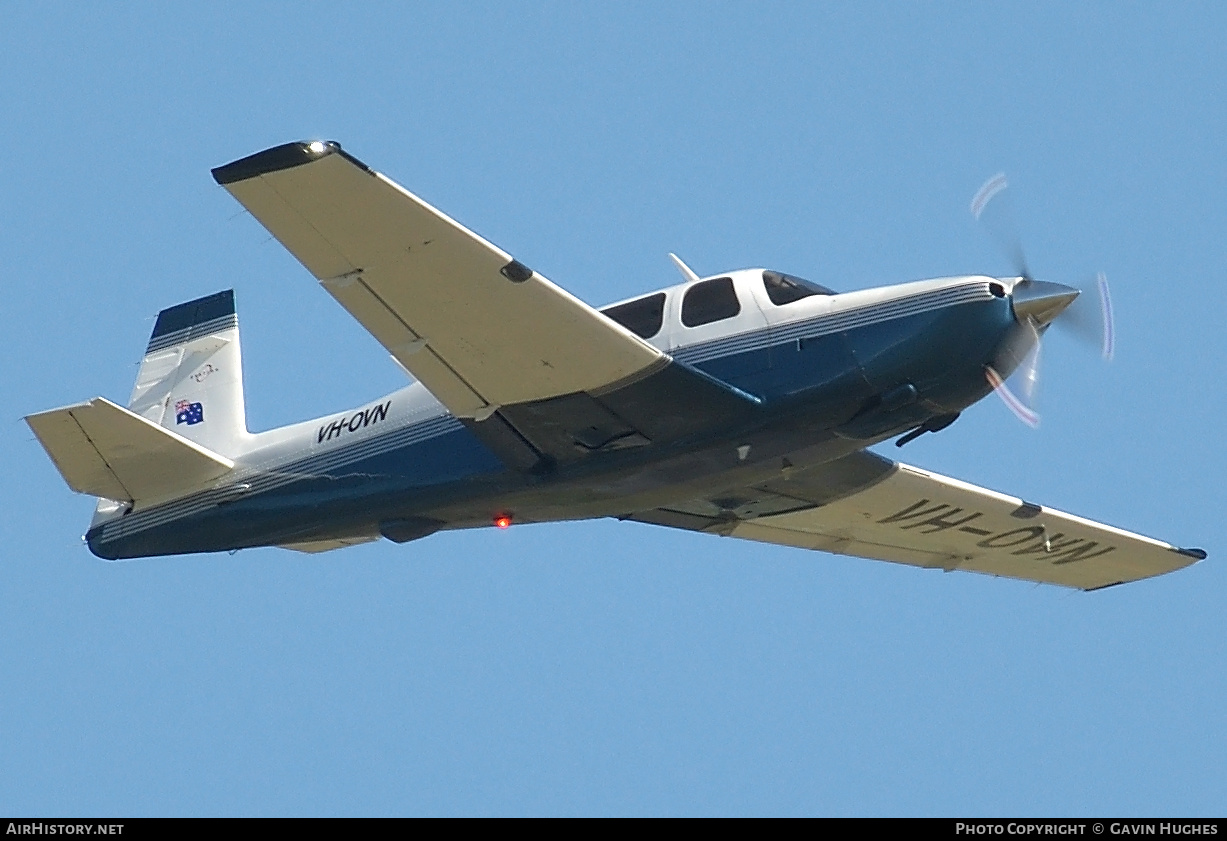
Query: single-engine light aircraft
x=739 y=404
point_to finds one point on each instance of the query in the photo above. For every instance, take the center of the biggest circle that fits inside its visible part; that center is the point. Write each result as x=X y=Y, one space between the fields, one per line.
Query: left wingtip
x=285 y=156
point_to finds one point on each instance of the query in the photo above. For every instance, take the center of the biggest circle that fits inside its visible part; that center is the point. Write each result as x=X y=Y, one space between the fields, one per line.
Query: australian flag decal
x=188 y=413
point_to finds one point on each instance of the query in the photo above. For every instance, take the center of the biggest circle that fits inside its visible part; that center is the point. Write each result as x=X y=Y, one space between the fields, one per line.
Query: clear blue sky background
x=606 y=668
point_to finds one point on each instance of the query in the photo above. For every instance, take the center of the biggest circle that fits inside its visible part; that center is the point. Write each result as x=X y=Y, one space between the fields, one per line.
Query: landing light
x=503 y=521
x=317 y=146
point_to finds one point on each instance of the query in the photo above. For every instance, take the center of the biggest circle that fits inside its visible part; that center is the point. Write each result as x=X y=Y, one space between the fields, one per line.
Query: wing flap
x=314 y=547
x=497 y=333
x=407 y=347
x=105 y=450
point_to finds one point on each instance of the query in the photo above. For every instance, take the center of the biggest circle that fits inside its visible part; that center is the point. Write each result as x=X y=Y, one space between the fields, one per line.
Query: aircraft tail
x=191 y=379
x=184 y=422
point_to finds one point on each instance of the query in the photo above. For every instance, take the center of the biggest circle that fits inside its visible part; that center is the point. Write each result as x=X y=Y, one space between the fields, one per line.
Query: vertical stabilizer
x=191 y=380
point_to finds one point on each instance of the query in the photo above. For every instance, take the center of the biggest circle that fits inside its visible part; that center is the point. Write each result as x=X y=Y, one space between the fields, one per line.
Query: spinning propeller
x=1037 y=305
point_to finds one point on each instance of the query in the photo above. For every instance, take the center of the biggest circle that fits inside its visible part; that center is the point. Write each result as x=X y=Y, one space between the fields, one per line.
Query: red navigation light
x=502 y=521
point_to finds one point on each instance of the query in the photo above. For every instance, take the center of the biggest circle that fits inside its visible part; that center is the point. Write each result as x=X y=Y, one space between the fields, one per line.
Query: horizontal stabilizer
x=107 y=451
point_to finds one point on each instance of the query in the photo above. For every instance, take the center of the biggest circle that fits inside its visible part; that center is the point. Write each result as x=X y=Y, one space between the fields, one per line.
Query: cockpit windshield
x=785 y=288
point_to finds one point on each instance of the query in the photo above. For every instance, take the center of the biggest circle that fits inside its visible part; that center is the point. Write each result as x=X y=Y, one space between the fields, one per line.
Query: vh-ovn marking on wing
x=920 y=518
x=1055 y=547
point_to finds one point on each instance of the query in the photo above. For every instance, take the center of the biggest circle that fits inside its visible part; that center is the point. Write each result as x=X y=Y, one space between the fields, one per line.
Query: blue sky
x=606 y=668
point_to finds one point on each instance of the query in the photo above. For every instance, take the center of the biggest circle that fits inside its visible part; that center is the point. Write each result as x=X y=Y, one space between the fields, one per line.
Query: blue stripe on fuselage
x=941 y=351
x=367 y=488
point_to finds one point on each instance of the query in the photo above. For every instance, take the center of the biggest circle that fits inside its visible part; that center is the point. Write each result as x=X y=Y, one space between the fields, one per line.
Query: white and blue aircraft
x=739 y=404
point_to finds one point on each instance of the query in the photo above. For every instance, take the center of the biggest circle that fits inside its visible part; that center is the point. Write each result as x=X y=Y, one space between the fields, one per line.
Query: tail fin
x=191 y=380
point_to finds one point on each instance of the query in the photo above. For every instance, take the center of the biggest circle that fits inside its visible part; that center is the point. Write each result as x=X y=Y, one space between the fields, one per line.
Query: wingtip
x=285 y=156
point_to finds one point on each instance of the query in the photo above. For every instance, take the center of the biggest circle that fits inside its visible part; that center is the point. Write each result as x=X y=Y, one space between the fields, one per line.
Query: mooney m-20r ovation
x=739 y=404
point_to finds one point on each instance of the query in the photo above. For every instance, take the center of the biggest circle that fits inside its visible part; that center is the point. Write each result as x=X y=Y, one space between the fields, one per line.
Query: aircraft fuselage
x=827 y=375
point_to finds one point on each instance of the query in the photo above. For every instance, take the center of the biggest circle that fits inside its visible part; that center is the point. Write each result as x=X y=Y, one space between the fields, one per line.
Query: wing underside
x=478 y=328
x=906 y=515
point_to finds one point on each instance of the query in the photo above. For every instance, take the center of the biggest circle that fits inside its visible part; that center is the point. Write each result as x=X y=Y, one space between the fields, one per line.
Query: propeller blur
x=1037 y=304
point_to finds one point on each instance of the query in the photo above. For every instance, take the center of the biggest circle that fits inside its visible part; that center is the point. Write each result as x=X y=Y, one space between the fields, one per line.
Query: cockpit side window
x=784 y=288
x=643 y=316
x=711 y=300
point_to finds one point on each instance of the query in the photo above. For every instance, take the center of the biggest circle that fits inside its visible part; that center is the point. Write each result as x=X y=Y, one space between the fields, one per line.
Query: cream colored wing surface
x=479 y=329
x=107 y=451
x=923 y=519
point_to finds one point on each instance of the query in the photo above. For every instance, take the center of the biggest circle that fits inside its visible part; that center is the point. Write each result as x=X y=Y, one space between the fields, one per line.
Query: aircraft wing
x=476 y=327
x=869 y=507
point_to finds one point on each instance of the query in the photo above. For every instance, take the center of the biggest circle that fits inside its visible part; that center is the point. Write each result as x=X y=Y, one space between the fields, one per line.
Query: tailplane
x=107 y=451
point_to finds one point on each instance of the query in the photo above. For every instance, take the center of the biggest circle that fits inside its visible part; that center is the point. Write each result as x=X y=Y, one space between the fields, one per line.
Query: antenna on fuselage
x=686 y=271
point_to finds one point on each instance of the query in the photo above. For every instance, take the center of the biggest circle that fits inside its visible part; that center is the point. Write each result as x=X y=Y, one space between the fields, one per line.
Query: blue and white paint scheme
x=739 y=404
